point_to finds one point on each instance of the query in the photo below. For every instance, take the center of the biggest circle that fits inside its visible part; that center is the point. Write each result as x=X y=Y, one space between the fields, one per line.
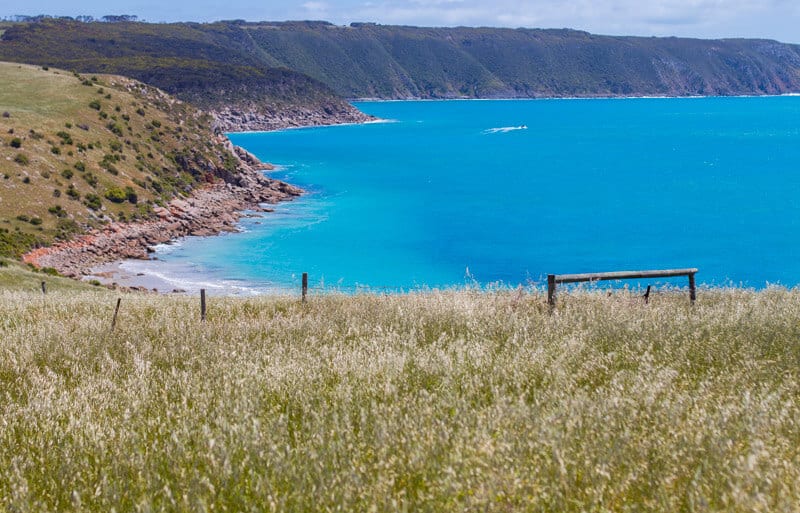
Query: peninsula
x=269 y=75
x=99 y=168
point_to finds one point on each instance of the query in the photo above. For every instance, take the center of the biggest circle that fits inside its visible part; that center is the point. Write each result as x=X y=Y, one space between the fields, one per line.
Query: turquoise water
x=455 y=192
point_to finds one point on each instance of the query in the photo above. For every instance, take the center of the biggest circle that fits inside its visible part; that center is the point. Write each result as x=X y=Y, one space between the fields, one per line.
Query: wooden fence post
x=44 y=287
x=202 y=304
x=555 y=279
x=116 y=311
x=305 y=286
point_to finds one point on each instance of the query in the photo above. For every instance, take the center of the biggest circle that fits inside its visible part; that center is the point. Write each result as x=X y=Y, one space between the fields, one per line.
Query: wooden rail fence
x=552 y=281
x=555 y=279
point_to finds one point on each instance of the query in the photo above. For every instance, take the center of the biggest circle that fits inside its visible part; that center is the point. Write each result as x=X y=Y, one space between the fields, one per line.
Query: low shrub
x=93 y=201
x=90 y=178
x=115 y=195
x=131 y=195
x=64 y=136
x=57 y=211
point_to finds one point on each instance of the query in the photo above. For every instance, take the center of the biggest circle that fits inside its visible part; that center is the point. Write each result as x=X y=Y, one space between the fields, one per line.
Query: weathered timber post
x=551 y=290
x=305 y=286
x=202 y=304
x=116 y=311
x=44 y=287
x=555 y=279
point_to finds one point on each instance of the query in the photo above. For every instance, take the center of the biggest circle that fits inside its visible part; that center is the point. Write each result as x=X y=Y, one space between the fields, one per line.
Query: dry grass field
x=442 y=401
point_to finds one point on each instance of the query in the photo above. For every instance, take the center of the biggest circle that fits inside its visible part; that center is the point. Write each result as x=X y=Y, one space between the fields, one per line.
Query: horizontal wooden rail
x=554 y=279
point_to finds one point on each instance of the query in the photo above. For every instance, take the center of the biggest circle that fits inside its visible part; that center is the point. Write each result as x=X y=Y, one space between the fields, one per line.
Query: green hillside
x=491 y=62
x=78 y=151
x=295 y=63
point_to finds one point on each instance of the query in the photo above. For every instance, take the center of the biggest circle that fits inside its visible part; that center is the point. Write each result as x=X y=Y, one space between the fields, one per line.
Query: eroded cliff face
x=255 y=118
x=115 y=167
x=209 y=210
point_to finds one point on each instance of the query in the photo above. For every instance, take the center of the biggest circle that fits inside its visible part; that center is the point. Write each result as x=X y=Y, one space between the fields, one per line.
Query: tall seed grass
x=451 y=401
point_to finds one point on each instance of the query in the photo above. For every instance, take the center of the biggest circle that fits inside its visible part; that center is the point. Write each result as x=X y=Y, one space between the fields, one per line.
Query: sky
x=772 y=19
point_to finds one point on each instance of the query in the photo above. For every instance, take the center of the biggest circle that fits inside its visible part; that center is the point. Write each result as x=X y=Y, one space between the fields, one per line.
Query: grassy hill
x=296 y=63
x=447 y=401
x=78 y=151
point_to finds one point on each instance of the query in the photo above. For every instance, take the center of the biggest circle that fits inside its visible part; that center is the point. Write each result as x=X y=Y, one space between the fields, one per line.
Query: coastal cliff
x=210 y=210
x=102 y=167
x=267 y=117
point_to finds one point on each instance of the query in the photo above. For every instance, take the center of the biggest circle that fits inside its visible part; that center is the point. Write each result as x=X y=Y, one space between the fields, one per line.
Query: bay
x=451 y=193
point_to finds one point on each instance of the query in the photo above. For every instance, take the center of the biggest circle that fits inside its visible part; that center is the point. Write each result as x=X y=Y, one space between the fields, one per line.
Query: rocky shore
x=267 y=118
x=209 y=210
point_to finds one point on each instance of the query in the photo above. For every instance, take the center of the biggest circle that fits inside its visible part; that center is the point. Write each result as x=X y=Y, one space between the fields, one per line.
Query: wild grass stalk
x=443 y=401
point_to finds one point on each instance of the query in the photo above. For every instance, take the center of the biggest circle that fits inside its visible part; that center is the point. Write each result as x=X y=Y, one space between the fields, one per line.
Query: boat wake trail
x=504 y=129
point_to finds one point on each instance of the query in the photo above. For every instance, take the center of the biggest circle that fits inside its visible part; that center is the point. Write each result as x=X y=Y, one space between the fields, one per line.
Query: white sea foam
x=167 y=247
x=187 y=278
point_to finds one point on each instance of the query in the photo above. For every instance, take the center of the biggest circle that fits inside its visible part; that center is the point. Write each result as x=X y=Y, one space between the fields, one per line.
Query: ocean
x=501 y=193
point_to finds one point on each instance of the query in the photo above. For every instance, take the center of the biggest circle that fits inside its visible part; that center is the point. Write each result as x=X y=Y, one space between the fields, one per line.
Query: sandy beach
x=113 y=274
x=165 y=276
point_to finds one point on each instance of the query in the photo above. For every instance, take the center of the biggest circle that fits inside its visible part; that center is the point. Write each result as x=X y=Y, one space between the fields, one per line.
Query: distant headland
x=270 y=75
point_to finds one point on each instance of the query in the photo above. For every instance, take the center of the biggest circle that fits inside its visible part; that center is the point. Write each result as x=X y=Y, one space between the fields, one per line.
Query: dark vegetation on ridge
x=245 y=64
x=217 y=67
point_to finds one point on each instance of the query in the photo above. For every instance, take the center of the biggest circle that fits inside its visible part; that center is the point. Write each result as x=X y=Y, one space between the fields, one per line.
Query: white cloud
x=316 y=9
x=777 y=19
x=698 y=18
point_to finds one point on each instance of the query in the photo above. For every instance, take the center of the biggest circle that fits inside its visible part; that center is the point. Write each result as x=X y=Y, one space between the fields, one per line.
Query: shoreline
x=233 y=119
x=537 y=98
x=208 y=211
x=372 y=121
x=156 y=276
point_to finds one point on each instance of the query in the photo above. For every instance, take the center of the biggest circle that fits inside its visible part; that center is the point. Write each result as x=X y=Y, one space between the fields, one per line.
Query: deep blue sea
x=450 y=193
